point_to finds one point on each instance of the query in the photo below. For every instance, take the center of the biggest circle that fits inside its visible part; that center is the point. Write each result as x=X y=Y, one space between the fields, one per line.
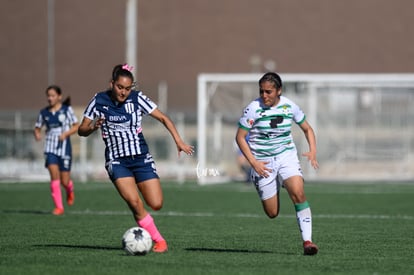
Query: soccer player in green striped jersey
x=272 y=153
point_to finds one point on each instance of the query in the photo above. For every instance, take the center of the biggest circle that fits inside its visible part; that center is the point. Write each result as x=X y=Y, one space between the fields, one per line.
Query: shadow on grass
x=226 y=250
x=25 y=211
x=193 y=249
x=95 y=247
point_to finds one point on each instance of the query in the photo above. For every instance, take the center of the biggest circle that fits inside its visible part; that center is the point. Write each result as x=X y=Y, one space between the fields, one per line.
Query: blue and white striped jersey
x=56 y=123
x=270 y=127
x=121 y=130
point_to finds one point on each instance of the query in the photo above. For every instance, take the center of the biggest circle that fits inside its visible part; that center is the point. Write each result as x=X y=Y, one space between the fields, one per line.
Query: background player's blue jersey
x=121 y=130
x=56 y=123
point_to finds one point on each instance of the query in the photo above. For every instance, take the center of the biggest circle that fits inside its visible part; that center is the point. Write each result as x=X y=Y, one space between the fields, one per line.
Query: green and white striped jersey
x=270 y=127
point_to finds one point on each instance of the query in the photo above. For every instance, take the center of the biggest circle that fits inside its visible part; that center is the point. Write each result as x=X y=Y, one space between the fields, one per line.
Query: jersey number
x=275 y=121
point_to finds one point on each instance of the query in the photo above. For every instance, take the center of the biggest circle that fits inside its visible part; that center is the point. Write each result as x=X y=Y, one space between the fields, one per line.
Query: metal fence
x=21 y=157
x=364 y=127
x=363 y=123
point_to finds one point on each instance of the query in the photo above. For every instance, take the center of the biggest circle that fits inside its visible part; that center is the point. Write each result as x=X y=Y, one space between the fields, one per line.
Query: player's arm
x=243 y=146
x=169 y=125
x=258 y=166
x=310 y=137
x=37 y=133
x=88 y=126
x=70 y=132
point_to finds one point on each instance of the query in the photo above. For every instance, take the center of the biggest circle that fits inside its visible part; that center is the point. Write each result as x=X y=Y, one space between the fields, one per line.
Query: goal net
x=363 y=124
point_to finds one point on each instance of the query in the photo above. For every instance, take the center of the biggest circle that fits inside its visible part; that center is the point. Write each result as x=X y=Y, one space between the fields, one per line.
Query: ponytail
x=66 y=101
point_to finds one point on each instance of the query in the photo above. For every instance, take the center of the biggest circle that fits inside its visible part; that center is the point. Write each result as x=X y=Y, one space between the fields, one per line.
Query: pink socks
x=148 y=224
x=69 y=188
x=56 y=193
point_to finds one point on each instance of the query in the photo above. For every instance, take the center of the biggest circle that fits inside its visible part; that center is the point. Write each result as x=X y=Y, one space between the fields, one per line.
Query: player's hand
x=188 y=149
x=38 y=136
x=96 y=123
x=312 y=158
x=62 y=137
x=261 y=168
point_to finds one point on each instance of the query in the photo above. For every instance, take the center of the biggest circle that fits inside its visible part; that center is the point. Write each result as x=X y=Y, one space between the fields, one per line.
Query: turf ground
x=217 y=229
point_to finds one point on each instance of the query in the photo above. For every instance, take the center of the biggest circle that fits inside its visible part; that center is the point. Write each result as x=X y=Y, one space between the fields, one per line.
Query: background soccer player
x=60 y=122
x=272 y=153
x=118 y=112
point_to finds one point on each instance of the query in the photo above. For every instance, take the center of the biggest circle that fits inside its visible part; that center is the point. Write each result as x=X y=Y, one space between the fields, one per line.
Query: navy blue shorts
x=141 y=167
x=64 y=163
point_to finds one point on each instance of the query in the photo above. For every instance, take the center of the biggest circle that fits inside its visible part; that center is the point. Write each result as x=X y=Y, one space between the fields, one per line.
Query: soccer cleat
x=309 y=248
x=160 y=247
x=70 y=198
x=58 y=211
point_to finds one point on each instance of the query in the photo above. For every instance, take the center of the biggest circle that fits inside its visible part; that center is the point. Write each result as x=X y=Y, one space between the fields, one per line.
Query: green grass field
x=216 y=229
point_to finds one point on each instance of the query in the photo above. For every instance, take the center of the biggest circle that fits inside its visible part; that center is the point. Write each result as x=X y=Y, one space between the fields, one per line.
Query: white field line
x=245 y=215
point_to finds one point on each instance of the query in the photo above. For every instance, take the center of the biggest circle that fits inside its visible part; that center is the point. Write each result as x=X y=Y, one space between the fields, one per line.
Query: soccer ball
x=136 y=241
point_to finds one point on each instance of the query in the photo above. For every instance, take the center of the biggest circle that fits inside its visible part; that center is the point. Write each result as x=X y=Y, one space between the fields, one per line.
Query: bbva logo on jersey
x=129 y=107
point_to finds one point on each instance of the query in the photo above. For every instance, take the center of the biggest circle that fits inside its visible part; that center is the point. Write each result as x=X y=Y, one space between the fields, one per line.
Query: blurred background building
x=76 y=43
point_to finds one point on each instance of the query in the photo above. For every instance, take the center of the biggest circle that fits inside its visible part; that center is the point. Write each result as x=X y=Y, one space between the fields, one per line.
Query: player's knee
x=156 y=205
x=272 y=214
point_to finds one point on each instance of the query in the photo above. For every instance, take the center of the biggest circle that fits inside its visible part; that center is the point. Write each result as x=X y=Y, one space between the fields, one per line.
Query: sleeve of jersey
x=71 y=114
x=247 y=119
x=298 y=115
x=90 y=109
x=146 y=104
x=39 y=122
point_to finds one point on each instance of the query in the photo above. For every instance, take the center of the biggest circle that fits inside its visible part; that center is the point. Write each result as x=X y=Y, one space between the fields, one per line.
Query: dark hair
x=56 y=88
x=120 y=71
x=272 y=77
x=66 y=101
x=59 y=92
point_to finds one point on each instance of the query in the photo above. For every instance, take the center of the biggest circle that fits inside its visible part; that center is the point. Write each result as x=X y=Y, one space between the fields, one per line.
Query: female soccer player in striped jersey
x=130 y=166
x=60 y=122
x=272 y=153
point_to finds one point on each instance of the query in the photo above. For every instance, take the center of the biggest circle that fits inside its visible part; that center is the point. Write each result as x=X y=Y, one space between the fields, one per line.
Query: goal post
x=207 y=86
x=363 y=123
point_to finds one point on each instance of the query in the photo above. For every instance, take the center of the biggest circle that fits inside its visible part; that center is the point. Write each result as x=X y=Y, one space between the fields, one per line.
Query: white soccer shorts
x=283 y=167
